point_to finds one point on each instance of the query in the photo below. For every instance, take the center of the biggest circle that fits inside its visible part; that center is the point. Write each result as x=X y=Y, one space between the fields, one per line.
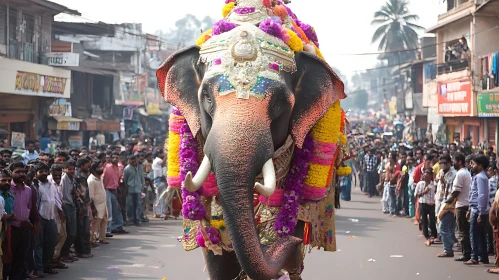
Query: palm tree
x=395 y=29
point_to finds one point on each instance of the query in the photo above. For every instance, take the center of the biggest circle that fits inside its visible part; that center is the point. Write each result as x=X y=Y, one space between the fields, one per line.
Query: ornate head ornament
x=247 y=59
x=248 y=11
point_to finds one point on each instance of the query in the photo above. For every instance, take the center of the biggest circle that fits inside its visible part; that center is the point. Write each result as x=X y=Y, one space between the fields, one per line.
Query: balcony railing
x=452 y=66
x=22 y=51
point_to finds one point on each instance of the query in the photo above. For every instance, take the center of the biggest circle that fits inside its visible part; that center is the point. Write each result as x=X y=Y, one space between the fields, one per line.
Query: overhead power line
x=416 y=49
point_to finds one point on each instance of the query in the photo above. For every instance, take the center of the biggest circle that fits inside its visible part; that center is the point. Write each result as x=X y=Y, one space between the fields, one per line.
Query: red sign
x=454 y=98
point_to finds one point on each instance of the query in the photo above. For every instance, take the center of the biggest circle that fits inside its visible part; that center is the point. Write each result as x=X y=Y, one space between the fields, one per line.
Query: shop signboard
x=60 y=107
x=63 y=59
x=488 y=104
x=67 y=125
x=454 y=98
x=39 y=85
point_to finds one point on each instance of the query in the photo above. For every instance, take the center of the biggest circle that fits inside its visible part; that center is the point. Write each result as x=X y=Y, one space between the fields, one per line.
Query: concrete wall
x=487 y=34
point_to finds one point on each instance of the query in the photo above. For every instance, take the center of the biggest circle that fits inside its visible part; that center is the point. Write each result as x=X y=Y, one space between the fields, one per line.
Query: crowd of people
x=56 y=208
x=449 y=191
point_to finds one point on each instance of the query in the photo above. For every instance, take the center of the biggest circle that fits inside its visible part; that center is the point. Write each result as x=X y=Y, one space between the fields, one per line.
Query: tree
x=395 y=31
x=360 y=99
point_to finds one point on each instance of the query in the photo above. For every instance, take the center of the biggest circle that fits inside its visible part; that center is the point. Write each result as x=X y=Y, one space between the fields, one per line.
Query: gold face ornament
x=246 y=59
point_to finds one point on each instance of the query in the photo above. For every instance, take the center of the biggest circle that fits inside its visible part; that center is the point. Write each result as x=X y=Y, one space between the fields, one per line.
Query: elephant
x=242 y=122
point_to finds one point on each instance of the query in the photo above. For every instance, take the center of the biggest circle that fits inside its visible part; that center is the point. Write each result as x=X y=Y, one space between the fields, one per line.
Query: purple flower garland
x=222 y=26
x=272 y=27
x=244 y=10
x=288 y=214
x=212 y=235
x=192 y=207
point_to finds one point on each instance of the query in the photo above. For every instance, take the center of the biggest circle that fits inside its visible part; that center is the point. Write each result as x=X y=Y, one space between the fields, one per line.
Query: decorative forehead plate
x=248 y=11
x=246 y=59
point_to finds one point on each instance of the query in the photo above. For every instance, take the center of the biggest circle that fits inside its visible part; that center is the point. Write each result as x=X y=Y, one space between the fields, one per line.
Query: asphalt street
x=371 y=245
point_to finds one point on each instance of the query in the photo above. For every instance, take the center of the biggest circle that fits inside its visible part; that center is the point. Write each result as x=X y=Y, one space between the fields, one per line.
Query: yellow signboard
x=68 y=126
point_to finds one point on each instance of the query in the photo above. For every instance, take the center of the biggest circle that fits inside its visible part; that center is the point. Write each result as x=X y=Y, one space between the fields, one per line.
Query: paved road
x=152 y=252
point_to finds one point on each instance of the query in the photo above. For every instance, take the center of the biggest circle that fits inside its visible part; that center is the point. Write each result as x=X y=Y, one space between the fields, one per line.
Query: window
x=12 y=23
x=29 y=27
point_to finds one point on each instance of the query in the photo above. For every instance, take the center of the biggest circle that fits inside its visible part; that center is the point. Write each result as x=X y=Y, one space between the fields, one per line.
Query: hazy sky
x=343 y=29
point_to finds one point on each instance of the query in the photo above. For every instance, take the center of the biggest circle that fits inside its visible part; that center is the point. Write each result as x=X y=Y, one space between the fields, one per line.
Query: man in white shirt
x=461 y=191
x=49 y=199
x=30 y=153
x=425 y=191
x=159 y=171
x=92 y=142
x=98 y=203
x=101 y=139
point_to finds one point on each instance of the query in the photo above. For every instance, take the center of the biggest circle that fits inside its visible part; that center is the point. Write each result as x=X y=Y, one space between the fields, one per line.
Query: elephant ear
x=179 y=80
x=316 y=88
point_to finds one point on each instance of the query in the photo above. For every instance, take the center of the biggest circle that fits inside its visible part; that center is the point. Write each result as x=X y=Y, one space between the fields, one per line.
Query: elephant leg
x=224 y=267
x=294 y=263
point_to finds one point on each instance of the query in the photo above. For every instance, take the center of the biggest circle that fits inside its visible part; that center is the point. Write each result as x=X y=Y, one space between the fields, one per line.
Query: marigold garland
x=344 y=171
x=326 y=134
x=295 y=43
x=218 y=224
x=204 y=37
x=173 y=172
x=227 y=9
x=319 y=53
x=343 y=139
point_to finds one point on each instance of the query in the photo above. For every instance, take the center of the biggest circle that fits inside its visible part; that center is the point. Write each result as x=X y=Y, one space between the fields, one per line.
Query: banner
x=18 y=139
x=454 y=98
x=488 y=104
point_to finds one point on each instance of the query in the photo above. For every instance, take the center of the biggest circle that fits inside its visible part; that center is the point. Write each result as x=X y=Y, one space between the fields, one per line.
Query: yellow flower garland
x=173 y=154
x=319 y=53
x=295 y=43
x=203 y=38
x=344 y=171
x=227 y=9
x=327 y=131
x=343 y=139
x=218 y=224
x=173 y=171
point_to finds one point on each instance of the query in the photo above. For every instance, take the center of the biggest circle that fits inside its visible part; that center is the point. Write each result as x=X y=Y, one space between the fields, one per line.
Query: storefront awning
x=93 y=71
x=65 y=123
x=101 y=125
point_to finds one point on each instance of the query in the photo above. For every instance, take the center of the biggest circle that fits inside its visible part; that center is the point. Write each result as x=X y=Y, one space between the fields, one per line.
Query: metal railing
x=22 y=51
x=452 y=66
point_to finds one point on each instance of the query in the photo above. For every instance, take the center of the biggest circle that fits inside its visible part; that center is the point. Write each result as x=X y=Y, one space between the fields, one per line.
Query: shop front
x=488 y=110
x=110 y=128
x=68 y=129
x=457 y=105
x=23 y=88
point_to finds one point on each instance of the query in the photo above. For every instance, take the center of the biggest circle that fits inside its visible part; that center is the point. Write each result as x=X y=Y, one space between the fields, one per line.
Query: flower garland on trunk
x=192 y=207
x=288 y=214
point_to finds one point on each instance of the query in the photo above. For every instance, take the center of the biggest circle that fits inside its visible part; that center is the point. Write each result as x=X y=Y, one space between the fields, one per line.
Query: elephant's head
x=246 y=92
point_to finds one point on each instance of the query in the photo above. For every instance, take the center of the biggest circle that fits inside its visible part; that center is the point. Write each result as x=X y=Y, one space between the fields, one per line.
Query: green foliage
x=396 y=30
x=360 y=99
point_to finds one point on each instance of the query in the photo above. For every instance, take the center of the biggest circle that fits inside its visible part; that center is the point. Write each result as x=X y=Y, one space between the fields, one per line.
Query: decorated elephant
x=254 y=141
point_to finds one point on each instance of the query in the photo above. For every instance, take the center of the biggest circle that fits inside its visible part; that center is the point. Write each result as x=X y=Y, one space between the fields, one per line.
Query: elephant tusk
x=193 y=184
x=269 y=180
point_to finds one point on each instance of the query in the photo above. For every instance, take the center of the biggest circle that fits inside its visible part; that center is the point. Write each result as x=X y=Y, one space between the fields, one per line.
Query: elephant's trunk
x=257 y=263
x=238 y=145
